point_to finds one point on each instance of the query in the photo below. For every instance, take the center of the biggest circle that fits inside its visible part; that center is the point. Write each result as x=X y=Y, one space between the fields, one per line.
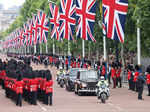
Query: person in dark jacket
x=140 y=85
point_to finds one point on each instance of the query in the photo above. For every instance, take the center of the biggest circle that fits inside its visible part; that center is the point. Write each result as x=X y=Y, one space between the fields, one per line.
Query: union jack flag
x=67 y=19
x=114 y=14
x=43 y=25
x=30 y=36
x=35 y=29
x=21 y=36
x=54 y=20
x=86 y=11
x=25 y=34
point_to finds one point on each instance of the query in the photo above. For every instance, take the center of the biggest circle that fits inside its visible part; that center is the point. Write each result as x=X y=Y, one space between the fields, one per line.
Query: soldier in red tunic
x=48 y=88
x=113 y=75
x=148 y=79
x=19 y=90
x=118 y=76
x=33 y=89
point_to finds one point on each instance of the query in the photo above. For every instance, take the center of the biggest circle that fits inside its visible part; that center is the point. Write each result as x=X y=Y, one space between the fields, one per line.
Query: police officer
x=140 y=85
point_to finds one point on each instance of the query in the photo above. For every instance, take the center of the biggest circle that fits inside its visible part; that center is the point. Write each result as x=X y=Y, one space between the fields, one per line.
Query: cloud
x=10 y=3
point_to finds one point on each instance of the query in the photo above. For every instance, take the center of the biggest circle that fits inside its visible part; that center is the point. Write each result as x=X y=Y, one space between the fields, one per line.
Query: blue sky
x=9 y=3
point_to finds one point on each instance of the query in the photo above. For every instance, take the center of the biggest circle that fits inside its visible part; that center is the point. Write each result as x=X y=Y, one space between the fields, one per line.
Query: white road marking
x=43 y=108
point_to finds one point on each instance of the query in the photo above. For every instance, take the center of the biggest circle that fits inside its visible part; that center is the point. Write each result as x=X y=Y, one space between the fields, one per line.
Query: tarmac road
x=121 y=100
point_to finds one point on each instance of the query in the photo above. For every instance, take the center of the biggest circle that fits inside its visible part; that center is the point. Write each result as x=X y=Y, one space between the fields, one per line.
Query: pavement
x=121 y=100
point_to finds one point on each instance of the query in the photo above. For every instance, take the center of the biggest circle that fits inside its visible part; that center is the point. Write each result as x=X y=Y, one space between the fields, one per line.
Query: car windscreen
x=88 y=75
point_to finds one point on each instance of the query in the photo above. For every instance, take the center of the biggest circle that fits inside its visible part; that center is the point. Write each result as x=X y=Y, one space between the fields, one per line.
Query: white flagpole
x=104 y=46
x=46 y=48
x=69 y=48
x=34 y=49
x=138 y=45
x=40 y=48
x=25 y=49
x=53 y=46
x=83 y=48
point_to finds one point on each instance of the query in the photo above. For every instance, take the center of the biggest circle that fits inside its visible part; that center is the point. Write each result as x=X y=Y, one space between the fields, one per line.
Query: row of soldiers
x=137 y=80
x=20 y=81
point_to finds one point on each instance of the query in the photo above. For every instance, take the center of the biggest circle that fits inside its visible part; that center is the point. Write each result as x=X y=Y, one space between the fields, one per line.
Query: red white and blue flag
x=35 y=29
x=67 y=19
x=30 y=36
x=114 y=15
x=54 y=20
x=43 y=25
x=21 y=36
x=25 y=34
x=85 y=12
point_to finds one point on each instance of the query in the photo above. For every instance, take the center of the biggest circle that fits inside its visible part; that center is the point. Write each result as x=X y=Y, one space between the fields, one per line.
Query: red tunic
x=118 y=73
x=148 y=79
x=103 y=70
x=33 y=85
x=48 y=86
x=51 y=59
x=2 y=74
x=72 y=64
x=129 y=75
x=85 y=66
x=135 y=76
x=75 y=64
x=78 y=64
x=19 y=87
x=66 y=61
x=113 y=73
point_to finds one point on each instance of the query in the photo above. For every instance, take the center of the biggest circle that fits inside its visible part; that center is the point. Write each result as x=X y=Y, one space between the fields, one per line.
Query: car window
x=85 y=75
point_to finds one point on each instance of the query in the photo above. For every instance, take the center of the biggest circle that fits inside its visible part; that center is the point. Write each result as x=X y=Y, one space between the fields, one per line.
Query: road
x=121 y=100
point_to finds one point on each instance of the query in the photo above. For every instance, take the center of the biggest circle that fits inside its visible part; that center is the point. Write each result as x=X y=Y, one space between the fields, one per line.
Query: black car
x=71 y=77
x=86 y=82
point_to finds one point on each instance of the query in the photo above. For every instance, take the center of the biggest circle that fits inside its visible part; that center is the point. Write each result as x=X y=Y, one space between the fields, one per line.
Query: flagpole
x=53 y=47
x=104 y=46
x=46 y=48
x=28 y=49
x=40 y=48
x=35 y=49
x=69 y=53
x=138 y=45
x=83 y=48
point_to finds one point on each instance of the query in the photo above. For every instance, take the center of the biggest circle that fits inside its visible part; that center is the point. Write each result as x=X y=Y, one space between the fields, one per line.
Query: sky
x=10 y=3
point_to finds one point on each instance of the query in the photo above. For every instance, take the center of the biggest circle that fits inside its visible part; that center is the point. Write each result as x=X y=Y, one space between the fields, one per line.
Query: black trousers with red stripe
x=48 y=98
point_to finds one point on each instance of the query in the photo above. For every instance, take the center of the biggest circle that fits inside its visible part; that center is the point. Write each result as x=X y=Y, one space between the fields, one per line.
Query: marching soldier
x=33 y=89
x=19 y=90
x=113 y=75
x=136 y=74
x=118 y=76
x=48 y=88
